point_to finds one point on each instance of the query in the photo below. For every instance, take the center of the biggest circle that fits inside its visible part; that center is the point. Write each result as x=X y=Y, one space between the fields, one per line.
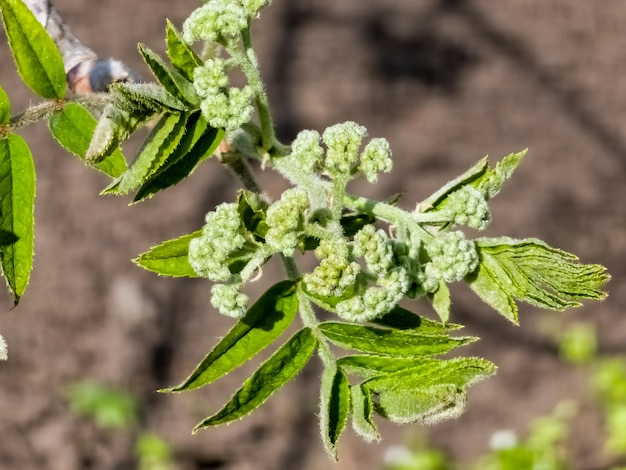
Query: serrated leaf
x=198 y=144
x=533 y=272
x=491 y=183
x=371 y=365
x=279 y=369
x=402 y=319
x=37 y=57
x=5 y=107
x=17 y=199
x=135 y=97
x=73 y=128
x=334 y=407
x=172 y=81
x=362 y=410
x=460 y=372
x=427 y=405
x=440 y=301
x=260 y=326
x=170 y=258
x=428 y=393
x=181 y=55
x=389 y=342
x=158 y=146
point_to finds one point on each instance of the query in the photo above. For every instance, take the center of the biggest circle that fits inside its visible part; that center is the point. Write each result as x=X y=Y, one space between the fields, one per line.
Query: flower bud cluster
x=336 y=273
x=342 y=141
x=468 y=206
x=222 y=107
x=285 y=219
x=221 y=235
x=229 y=300
x=452 y=257
x=376 y=157
x=339 y=275
x=220 y=21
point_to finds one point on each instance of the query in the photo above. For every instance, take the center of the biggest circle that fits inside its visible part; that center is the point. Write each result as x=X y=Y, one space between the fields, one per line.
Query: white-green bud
x=285 y=219
x=335 y=273
x=216 y=21
x=468 y=206
x=228 y=109
x=376 y=249
x=343 y=141
x=376 y=157
x=208 y=254
x=452 y=257
x=209 y=78
x=229 y=300
x=306 y=151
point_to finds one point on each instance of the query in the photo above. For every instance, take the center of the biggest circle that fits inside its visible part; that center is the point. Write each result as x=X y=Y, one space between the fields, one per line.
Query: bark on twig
x=86 y=73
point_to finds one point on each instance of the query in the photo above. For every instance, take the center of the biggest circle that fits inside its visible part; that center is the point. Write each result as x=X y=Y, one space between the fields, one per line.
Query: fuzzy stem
x=309 y=319
x=250 y=69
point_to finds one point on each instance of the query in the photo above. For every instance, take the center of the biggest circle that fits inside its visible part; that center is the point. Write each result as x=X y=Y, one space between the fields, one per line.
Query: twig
x=86 y=72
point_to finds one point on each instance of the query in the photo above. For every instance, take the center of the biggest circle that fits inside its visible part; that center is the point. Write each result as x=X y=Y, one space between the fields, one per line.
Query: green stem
x=251 y=70
x=309 y=319
x=395 y=215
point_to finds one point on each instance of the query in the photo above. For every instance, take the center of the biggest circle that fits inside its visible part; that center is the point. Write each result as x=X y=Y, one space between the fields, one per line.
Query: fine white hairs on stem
x=86 y=72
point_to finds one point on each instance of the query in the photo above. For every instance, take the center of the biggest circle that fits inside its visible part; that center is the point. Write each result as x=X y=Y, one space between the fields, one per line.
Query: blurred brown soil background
x=446 y=81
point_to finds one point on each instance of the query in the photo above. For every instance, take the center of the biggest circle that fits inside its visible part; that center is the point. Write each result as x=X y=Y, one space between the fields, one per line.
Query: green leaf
x=402 y=319
x=181 y=55
x=440 y=301
x=172 y=81
x=427 y=405
x=362 y=410
x=5 y=107
x=73 y=128
x=261 y=325
x=533 y=272
x=491 y=183
x=389 y=342
x=170 y=258
x=198 y=144
x=334 y=407
x=279 y=369
x=370 y=365
x=17 y=199
x=38 y=59
x=428 y=393
x=155 y=150
x=135 y=97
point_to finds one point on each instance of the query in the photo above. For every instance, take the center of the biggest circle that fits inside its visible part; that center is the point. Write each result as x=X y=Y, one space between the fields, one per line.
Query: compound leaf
x=261 y=325
x=17 y=199
x=533 y=272
x=73 y=128
x=37 y=57
x=170 y=258
x=279 y=369
x=389 y=342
